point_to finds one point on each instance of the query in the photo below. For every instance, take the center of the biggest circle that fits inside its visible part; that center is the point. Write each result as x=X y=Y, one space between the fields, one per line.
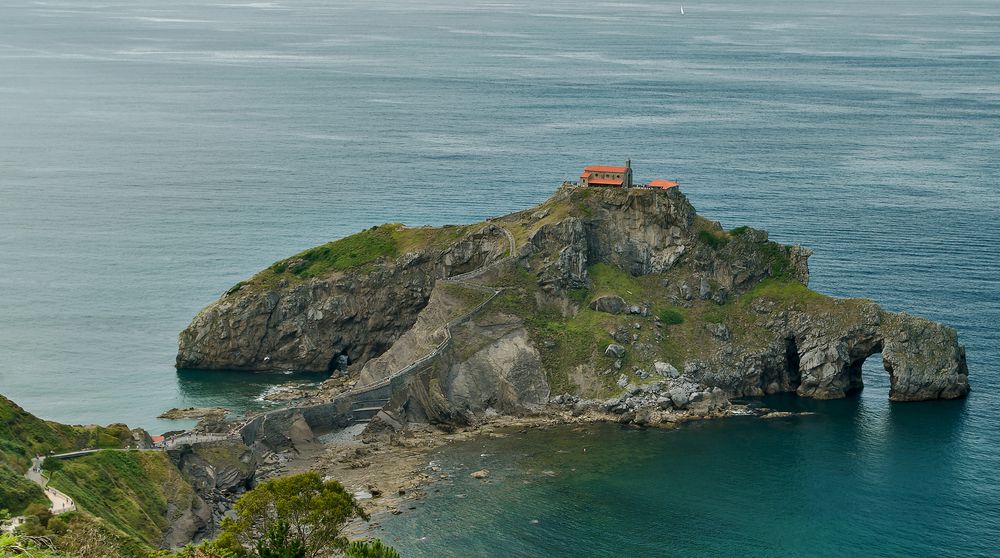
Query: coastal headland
x=599 y=304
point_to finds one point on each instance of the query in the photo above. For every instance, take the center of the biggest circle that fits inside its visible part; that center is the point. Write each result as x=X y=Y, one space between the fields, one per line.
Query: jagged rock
x=473 y=251
x=193 y=413
x=666 y=369
x=615 y=350
x=719 y=331
x=685 y=291
x=307 y=325
x=679 y=397
x=622 y=335
x=720 y=296
x=622 y=380
x=480 y=474
x=612 y=304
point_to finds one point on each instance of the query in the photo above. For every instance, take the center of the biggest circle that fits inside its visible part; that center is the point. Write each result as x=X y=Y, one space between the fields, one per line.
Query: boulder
x=480 y=474
x=679 y=397
x=615 y=350
x=666 y=369
x=612 y=304
x=719 y=331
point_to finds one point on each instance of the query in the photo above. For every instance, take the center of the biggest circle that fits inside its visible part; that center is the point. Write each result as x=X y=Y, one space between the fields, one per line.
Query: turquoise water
x=153 y=153
x=860 y=478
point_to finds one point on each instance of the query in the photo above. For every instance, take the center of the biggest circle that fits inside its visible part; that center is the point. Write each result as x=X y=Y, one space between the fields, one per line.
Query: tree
x=52 y=465
x=313 y=510
x=370 y=549
x=278 y=544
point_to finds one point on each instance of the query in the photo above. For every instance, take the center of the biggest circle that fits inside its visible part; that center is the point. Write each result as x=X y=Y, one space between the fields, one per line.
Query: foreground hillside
x=130 y=501
x=619 y=301
x=23 y=436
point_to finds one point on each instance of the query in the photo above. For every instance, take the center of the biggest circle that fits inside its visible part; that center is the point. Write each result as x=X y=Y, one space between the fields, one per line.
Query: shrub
x=715 y=240
x=370 y=549
x=302 y=514
x=579 y=296
x=671 y=316
x=739 y=230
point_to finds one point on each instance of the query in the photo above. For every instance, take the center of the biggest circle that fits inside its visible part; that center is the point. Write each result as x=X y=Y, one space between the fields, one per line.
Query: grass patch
x=671 y=316
x=356 y=252
x=738 y=231
x=579 y=296
x=714 y=316
x=790 y=293
x=610 y=280
x=777 y=258
x=714 y=239
x=346 y=253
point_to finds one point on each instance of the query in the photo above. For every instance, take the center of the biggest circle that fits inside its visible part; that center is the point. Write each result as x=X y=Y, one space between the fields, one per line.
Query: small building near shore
x=662 y=184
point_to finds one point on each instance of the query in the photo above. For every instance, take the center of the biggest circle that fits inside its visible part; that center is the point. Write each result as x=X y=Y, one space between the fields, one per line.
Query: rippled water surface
x=153 y=153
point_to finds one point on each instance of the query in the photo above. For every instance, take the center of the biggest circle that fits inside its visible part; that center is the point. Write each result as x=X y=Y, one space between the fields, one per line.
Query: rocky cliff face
x=688 y=307
x=280 y=321
x=305 y=326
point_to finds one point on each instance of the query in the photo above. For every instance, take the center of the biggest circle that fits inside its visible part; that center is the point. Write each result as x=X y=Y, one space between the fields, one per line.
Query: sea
x=155 y=152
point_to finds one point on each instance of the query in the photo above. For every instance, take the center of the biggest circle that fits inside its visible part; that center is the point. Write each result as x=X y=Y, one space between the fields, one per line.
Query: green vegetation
x=302 y=515
x=359 y=251
x=738 y=231
x=610 y=280
x=23 y=435
x=715 y=239
x=71 y=535
x=788 y=293
x=17 y=492
x=134 y=491
x=671 y=316
x=346 y=253
x=778 y=262
x=370 y=549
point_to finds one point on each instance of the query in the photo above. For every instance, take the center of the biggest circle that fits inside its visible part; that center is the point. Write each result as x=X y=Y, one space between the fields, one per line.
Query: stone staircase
x=363 y=411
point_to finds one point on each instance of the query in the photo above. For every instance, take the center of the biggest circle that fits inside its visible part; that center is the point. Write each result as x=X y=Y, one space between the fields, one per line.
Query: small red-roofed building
x=604 y=175
x=663 y=184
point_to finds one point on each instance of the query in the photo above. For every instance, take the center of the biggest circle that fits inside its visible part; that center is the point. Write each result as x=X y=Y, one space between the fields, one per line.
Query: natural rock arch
x=924 y=359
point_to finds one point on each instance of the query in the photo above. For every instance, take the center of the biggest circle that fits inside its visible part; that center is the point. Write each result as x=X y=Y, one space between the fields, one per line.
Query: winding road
x=60 y=503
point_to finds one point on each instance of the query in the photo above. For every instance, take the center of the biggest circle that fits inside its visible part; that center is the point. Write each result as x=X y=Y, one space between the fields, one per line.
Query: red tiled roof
x=660 y=183
x=605 y=182
x=157 y=439
x=603 y=168
x=584 y=174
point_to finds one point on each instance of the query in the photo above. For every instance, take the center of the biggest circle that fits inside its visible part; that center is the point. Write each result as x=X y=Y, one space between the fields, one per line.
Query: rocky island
x=617 y=301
